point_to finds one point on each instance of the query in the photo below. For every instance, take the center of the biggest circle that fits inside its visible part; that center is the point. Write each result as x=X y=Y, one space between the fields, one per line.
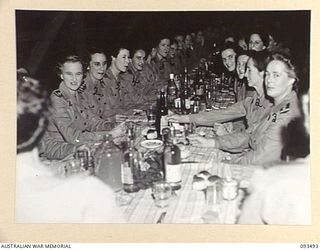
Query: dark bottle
x=172 y=163
x=130 y=168
x=199 y=85
x=184 y=94
x=172 y=92
x=108 y=163
x=161 y=112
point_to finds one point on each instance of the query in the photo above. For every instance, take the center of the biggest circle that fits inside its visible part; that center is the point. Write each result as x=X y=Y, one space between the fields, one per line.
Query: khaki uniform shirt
x=142 y=83
x=94 y=97
x=70 y=124
x=162 y=68
x=265 y=141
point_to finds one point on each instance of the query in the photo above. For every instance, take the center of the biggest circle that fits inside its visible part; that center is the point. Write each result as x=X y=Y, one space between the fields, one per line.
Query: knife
x=163 y=214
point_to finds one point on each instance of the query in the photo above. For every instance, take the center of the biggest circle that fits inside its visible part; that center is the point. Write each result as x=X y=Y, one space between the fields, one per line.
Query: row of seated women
x=267 y=112
x=85 y=105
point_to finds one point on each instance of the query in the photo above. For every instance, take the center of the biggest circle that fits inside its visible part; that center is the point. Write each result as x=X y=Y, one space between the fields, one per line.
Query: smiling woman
x=71 y=123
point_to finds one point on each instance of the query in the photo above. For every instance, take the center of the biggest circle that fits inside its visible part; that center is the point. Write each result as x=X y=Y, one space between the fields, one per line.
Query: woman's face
x=278 y=82
x=98 y=66
x=122 y=60
x=188 y=41
x=164 y=47
x=254 y=76
x=229 y=59
x=242 y=44
x=241 y=65
x=72 y=74
x=138 y=60
x=173 y=50
x=256 y=43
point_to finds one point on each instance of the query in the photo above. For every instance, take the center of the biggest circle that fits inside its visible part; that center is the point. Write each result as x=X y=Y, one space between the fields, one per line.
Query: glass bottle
x=184 y=94
x=162 y=111
x=130 y=168
x=172 y=92
x=172 y=163
x=108 y=163
x=199 y=86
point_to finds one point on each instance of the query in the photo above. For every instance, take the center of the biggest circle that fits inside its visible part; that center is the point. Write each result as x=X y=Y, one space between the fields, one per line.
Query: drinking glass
x=162 y=193
x=151 y=115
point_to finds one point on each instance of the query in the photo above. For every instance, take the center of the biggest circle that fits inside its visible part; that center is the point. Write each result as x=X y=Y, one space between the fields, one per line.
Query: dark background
x=111 y=30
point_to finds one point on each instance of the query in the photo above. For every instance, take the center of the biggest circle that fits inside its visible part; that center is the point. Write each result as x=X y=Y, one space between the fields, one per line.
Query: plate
x=151 y=144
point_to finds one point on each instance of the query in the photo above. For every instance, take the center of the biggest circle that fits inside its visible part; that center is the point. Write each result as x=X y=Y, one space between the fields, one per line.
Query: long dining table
x=186 y=204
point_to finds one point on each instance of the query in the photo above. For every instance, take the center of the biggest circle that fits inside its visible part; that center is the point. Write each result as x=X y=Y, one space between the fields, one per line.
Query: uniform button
x=99 y=99
x=85 y=124
x=81 y=111
x=76 y=117
x=105 y=103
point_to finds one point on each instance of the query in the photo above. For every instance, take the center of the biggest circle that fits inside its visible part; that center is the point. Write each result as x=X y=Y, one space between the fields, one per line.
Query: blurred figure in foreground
x=42 y=196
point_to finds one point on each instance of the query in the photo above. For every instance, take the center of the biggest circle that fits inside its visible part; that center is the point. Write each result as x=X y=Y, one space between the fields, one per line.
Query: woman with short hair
x=71 y=122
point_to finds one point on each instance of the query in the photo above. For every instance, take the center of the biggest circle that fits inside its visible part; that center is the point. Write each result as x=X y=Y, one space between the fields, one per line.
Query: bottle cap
x=171 y=76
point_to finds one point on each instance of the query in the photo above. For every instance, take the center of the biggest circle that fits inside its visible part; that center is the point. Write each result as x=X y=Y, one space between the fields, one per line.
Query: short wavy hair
x=32 y=111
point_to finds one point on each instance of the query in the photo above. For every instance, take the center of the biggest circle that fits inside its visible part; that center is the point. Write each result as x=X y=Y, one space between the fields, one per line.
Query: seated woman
x=119 y=91
x=71 y=123
x=241 y=86
x=253 y=108
x=175 y=59
x=93 y=88
x=141 y=78
x=258 y=41
x=41 y=195
x=288 y=199
x=159 y=60
x=264 y=144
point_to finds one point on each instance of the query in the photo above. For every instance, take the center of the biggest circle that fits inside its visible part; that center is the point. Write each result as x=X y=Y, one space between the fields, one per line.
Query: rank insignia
x=285 y=109
x=58 y=93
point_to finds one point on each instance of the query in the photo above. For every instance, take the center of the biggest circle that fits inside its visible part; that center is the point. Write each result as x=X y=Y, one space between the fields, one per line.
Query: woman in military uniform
x=252 y=108
x=120 y=96
x=159 y=60
x=264 y=145
x=93 y=88
x=71 y=123
x=141 y=78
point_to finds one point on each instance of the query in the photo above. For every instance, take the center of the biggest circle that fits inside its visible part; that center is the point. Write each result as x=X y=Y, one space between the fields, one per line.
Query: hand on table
x=178 y=118
x=200 y=141
x=118 y=130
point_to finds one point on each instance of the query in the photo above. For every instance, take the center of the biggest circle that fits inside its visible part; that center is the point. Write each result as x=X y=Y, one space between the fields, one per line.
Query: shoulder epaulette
x=285 y=109
x=57 y=92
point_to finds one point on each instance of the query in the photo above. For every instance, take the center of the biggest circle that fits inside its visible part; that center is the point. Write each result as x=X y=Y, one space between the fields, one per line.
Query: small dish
x=151 y=144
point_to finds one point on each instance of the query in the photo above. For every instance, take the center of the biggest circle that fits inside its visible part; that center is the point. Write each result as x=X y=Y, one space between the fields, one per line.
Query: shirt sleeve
x=235 y=142
x=235 y=111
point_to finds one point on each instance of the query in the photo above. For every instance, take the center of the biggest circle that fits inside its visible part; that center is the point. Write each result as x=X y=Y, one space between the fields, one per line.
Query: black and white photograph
x=163 y=117
x=158 y=122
